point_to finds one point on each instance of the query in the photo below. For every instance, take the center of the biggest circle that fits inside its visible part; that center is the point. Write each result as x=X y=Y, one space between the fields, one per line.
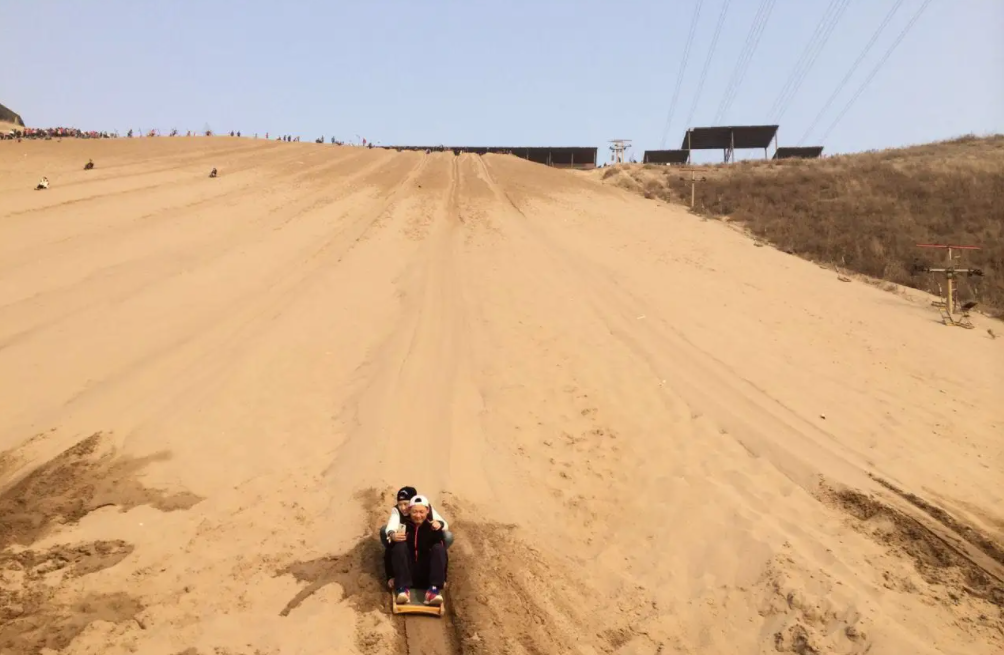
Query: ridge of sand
x=650 y=436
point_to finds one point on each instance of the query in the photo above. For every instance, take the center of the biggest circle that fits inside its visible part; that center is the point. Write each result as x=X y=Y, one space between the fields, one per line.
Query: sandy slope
x=619 y=406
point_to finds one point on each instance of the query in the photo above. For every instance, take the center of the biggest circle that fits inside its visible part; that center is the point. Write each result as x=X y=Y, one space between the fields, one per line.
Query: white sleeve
x=437 y=517
x=394 y=521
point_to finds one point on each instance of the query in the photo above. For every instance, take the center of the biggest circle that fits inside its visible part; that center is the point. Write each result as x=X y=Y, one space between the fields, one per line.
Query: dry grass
x=864 y=212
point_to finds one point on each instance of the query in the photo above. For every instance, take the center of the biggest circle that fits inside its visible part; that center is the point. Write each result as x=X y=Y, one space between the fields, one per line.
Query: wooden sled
x=417 y=604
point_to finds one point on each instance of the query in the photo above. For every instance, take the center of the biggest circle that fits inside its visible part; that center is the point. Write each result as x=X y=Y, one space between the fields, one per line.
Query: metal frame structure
x=951 y=272
x=554 y=156
x=798 y=152
x=618 y=149
x=671 y=157
x=729 y=137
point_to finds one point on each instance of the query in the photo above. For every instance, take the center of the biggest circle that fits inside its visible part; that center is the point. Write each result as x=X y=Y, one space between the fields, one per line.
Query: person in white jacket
x=399 y=512
x=390 y=534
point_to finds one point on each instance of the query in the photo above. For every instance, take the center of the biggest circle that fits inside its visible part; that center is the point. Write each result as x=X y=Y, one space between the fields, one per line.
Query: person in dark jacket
x=399 y=515
x=418 y=556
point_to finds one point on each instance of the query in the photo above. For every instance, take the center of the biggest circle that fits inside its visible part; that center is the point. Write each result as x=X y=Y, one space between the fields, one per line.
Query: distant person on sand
x=418 y=556
x=42 y=184
x=212 y=173
x=89 y=165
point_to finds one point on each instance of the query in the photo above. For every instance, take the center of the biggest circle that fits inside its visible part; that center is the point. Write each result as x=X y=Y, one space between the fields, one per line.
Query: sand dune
x=651 y=436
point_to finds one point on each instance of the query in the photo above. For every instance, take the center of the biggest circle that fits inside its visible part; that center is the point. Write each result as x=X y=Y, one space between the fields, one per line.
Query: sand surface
x=649 y=436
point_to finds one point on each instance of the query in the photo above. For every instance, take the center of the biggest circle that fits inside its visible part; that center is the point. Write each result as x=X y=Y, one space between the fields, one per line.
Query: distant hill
x=863 y=212
x=8 y=116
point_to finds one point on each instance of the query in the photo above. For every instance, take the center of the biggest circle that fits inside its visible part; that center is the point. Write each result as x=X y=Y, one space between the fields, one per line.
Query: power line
x=875 y=70
x=752 y=41
x=742 y=56
x=807 y=60
x=683 y=67
x=853 y=68
x=812 y=61
x=707 y=62
x=749 y=58
x=803 y=56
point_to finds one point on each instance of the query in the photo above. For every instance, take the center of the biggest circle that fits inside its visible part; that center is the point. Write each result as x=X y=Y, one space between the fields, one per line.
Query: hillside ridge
x=864 y=212
x=10 y=116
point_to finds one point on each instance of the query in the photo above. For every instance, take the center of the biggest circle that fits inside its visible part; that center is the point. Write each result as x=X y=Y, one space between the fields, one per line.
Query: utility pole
x=950 y=271
x=693 y=182
x=618 y=148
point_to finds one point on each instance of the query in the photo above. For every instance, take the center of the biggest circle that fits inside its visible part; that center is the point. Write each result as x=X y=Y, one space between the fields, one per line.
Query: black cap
x=407 y=493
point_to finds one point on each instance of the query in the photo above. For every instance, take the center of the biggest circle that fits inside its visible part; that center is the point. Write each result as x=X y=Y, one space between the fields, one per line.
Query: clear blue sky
x=510 y=72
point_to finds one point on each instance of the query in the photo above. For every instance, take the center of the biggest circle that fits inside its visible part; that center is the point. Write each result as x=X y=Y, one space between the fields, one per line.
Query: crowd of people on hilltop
x=53 y=133
x=49 y=133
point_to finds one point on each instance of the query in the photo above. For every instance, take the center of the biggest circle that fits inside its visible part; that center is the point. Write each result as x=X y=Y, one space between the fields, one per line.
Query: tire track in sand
x=760 y=423
x=422 y=369
x=95 y=224
x=705 y=383
x=117 y=282
x=193 y=355
x=139 y=186
x=417 y=386
x=746 y=413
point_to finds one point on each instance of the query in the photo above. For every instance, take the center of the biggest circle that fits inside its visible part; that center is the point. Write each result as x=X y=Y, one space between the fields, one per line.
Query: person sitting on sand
x=418 y=555
x=212 y=173
x=89 y=165
x=42 y=184
x=399 y=515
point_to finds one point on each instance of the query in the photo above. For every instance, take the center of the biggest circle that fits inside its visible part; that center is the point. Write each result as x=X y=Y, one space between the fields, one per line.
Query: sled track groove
x=426 y=635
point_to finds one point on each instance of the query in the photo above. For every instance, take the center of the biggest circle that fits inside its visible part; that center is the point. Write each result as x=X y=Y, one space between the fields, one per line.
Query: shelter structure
x=677 y=157
x=556 y=156
x=730 y=137
x=799 y=152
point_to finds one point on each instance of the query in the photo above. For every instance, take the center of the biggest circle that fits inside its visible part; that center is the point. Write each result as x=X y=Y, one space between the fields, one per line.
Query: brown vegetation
x=864 y=212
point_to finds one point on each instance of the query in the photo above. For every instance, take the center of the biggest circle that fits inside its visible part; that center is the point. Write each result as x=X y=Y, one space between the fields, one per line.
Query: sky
x=503 y=72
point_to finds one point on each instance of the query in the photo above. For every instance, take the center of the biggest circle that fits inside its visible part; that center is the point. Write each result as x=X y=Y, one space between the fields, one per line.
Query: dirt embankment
x=864 y=212
x=8 y=116
x=35 y=612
